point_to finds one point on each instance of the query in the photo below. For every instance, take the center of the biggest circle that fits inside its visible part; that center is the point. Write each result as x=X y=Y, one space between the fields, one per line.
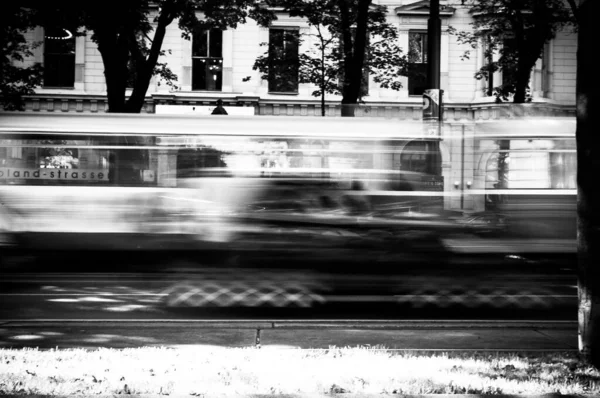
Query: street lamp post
x=434 y=37
x=432 y=97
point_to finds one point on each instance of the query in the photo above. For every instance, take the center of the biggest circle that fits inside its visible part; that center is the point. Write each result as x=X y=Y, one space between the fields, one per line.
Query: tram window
x=59 y=157
x=414 y=162
x=533 y=164
x=80 y=161
x=563 y=170
x=16 y=152
x=192 y=161
x=421 y=157
x=10 y=155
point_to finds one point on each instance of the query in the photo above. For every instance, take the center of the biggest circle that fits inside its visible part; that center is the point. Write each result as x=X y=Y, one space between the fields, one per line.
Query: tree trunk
x=114 y=52
x=138 y=95
x=526 y=63
x=354 y=54
x=588 y=199
x=115 y=87
x=521 y=85
x=348 y=106
x=523 y=74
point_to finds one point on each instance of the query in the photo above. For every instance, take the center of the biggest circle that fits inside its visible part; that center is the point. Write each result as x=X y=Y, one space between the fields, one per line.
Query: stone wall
x=395 y=110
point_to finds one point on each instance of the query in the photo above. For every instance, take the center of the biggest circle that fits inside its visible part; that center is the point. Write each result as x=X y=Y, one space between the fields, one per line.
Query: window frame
x=61 y=58
x=274 y=87
x=420 y=66
x=209 y=59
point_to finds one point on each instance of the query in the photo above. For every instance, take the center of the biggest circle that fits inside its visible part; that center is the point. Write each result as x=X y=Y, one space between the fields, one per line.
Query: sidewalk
x=314 y=334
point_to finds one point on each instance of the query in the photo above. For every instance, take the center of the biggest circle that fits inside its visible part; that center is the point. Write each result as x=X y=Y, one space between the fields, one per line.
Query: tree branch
x=134 y=49
x=574 y=8
x=148 y=37
x=165 y=18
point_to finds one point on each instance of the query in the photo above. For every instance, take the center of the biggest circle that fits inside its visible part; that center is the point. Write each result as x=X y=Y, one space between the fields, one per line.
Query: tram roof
x=532 y=127
x=269 y=126
x=151 y=124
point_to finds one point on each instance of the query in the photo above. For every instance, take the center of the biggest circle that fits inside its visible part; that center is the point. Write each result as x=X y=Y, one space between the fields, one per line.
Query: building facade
x=219 y=65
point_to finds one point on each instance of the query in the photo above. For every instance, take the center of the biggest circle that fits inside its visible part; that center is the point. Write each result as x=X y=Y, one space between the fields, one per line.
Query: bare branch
x=148 y=37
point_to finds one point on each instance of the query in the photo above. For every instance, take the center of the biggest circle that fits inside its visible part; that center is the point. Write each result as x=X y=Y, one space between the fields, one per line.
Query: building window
x=283 y=60
x=417 y=56
x=207 y=60
x=59 y=57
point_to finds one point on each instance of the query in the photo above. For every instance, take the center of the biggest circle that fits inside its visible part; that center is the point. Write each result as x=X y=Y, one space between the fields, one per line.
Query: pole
x=434 y=38
x=433 y=96
x=462 y=168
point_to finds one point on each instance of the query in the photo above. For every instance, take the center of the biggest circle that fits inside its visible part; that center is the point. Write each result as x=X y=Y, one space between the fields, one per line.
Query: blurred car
x=320 y=224
x=486 y=223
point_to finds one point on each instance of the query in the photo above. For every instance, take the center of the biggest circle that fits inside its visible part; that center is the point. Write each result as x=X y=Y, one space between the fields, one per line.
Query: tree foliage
x=348 y=37
x=516 y=32
x=16 y=78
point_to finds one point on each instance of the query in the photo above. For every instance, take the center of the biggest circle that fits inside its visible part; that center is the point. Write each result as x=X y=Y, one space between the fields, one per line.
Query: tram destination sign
x=53 y=174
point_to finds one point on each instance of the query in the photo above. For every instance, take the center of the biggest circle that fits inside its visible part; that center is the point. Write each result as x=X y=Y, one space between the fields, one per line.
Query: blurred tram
x=282 y=210
x=525 y=179
x=149 y=183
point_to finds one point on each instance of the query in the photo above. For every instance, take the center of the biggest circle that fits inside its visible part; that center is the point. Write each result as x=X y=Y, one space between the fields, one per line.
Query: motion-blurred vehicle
x=94 y=182
x=366 y=197
x=485 y=223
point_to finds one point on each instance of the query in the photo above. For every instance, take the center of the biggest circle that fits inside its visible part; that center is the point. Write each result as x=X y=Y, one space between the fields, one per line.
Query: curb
x=340 y=395
x=299 y=324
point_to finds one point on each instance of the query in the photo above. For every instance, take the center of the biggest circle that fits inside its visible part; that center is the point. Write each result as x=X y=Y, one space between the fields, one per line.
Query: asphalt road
x=133 y=302
x=237 y=293
x=419 y=335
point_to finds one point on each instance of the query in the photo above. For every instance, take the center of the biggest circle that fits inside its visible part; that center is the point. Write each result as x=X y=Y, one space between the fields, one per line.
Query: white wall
x=564 y=68
x=462 y=85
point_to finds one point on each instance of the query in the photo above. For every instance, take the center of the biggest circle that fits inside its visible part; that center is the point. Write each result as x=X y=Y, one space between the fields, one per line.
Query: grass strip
x=214 y=371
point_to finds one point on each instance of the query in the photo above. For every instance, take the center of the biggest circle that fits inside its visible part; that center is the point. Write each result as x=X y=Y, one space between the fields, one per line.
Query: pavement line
x=91 y=293
x=122 y=280
x=77 y=273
